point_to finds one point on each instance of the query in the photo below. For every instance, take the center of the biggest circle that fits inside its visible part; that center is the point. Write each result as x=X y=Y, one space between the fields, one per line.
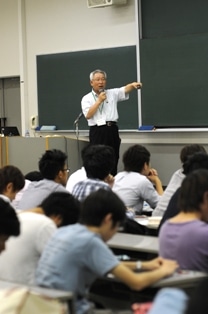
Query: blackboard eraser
x=146 y=128
x=48 y=128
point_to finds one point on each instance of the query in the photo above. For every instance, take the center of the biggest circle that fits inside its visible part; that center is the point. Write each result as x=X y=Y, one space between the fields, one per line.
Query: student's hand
x=110 y=180
x=153 y=264
x=153 y=172
x=153 y=178
x=168 y=267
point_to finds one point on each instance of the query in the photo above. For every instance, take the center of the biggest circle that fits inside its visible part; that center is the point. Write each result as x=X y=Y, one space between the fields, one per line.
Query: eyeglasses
x=99 y=79
x=67 y=170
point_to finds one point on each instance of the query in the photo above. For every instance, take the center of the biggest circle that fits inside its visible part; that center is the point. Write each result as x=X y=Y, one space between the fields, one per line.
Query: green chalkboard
x=166 y=18
x=174 y=72
x=63 y=79
x=174 y=67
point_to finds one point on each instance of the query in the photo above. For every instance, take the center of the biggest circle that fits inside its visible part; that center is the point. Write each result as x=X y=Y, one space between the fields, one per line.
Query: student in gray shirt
x=53 y=168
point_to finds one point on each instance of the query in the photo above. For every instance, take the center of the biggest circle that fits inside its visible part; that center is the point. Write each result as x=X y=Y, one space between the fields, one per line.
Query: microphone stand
x=77 y=130
x=77 y=136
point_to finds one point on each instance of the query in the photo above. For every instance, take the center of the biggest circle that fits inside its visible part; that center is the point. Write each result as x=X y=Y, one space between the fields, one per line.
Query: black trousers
x=106 y=135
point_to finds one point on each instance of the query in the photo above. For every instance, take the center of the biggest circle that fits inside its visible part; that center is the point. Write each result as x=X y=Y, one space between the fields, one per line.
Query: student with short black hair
x=19 y=261
x=134 y=185
x=9 y=223
x=30 y=176
x=76 y=255
x=98 y=161
x=53 y=168
x=60 y=206
x=11 y=182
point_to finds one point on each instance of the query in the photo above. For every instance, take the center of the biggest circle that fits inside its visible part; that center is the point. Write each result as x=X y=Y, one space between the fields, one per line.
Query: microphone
x=79 y=117
x=102 y=90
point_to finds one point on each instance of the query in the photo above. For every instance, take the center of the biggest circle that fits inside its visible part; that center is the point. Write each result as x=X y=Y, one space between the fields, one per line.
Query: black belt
x=108 y=123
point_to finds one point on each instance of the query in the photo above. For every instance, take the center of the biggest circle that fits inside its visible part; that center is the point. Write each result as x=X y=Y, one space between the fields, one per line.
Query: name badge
x=101 y=122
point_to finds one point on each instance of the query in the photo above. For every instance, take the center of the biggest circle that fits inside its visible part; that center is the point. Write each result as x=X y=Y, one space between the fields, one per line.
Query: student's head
x=9 y=223
x=62 y=207
x=193 y=195
x=34 y=176
x=11 y=181
x=196 y=161
x=103 y=207
x=98 y=80
x=189 y=150
x=98 y=161
x=136 y=158
x=52 y=166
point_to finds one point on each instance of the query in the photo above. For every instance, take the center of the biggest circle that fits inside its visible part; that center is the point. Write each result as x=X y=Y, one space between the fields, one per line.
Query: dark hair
x=135 y=157
x=192 y=190
x=34 y=176
x=63 y=204
x=100 y=203
x=195 y=161
x=9 y=223
x=51 y=163
x=11 y=174
x=98 y=161
x=189 y=150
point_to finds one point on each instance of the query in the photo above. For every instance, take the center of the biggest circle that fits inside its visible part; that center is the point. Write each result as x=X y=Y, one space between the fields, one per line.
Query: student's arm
x=109 y=180
x=142 y=280
x=130 y=87
x=147 y=265
x=157 y=183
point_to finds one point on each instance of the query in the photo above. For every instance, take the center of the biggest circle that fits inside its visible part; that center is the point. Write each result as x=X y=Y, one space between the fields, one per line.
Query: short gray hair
x=97 y=71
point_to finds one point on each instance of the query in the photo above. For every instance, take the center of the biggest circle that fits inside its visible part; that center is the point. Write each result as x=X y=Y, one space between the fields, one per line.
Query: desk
x=136 y=246
x=51 y=293
x=182 y=279
x=114 y=294
x=149 y=222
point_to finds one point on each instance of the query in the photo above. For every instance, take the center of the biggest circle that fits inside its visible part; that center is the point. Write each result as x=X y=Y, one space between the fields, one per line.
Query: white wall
x=53 y=26
x=9 y=44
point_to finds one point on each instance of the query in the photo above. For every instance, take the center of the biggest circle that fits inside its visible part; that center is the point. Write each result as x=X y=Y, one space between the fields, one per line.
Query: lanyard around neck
x=101 y=106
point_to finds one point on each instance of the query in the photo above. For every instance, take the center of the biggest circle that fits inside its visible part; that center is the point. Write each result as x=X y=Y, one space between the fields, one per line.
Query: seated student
x=18 y=263
x=77 y=255
x=9 y=223
x=134 y=185
x=11 y=182
x=194 y=162
x=98 y=161
x=53 y=168
x=176 y=179
x=184 y=236
x=78 y=175
x=30 y=176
